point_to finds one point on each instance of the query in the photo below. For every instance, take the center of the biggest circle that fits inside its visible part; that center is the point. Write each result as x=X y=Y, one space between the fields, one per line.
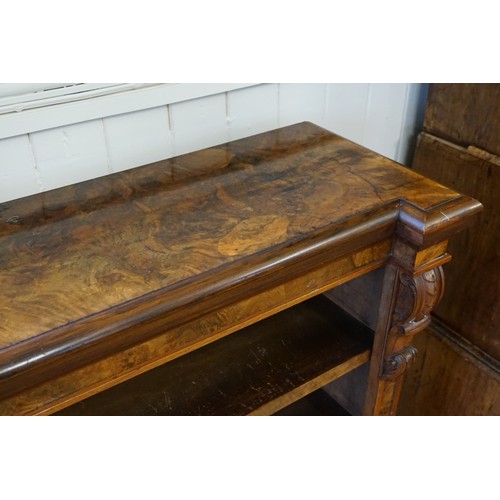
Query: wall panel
x=198 y=123
x=18 y=176
x=134 y=139
x=70 y=154
x=384 y=118
x=252 y=110
x=346 y=109
x=300 y=102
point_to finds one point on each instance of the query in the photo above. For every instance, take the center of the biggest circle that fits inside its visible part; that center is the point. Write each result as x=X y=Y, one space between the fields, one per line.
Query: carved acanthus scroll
x=418 y=295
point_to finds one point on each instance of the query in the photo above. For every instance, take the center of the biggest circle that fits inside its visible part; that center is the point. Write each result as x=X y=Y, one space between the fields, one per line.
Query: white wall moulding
x=33 y=109
x=15 y=97
x=16 y=90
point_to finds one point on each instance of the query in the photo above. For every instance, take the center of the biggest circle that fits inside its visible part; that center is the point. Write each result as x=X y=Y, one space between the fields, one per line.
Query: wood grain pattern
x=448 y=379
x=471 y=305
x=458 y=372
x=136 y=228
x=465 y=114
x=249 y=372
x=61 y=391
x=94 y=269
x=405 y=306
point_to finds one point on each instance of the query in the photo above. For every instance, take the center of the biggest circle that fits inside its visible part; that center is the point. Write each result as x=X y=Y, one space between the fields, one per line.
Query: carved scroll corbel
x=418 y=295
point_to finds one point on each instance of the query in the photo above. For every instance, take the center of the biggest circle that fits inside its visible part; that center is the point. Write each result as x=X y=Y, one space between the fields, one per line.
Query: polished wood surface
x=96 y=270
x=98 y=244
x=465 y=114
x=471 y=305
x=249 y=372
x=63 y=390
x=450 y=378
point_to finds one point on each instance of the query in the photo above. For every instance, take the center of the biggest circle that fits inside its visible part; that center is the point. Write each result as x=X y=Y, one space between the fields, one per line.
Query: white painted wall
x=382 y=117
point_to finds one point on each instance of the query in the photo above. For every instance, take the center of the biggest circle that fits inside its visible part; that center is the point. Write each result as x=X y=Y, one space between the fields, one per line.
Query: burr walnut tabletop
x=111 y=277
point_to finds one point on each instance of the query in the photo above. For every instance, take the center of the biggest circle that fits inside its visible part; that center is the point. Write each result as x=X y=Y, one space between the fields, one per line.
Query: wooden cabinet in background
x=458 y=372
x=466 y=115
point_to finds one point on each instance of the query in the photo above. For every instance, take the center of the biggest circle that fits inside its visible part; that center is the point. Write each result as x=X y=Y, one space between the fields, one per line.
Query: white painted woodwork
x=252 y=111
x=138 y=138
x=18 y=174
x=130 y=97
x=383 y=117
x=346 y=110
x=71 y=154
x=58 y=93
x=198 y=123
x=300 y=102
x=9 y=90
x=414 y=110
x=383 y=121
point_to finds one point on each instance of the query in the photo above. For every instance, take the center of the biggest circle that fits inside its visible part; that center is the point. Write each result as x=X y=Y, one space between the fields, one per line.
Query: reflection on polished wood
x=108 y=267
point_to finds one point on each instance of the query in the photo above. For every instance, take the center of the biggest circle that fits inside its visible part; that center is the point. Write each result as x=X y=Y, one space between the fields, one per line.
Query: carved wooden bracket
x=418 y=295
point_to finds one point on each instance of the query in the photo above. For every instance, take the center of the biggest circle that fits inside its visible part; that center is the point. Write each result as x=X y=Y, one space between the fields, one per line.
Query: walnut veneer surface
x=84 y=268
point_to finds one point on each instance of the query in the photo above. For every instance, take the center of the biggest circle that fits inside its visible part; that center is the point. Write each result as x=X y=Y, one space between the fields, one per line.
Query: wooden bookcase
x=194 y=286
x=257 y=370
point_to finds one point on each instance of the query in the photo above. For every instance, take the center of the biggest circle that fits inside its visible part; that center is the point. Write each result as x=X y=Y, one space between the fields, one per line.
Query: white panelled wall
x=382 y=117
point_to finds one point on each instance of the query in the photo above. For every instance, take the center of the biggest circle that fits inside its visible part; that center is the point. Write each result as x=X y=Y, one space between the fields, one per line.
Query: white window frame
x=32 y=107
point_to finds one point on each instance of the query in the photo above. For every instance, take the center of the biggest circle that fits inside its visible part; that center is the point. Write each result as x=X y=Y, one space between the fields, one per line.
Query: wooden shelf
x=258 y=370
